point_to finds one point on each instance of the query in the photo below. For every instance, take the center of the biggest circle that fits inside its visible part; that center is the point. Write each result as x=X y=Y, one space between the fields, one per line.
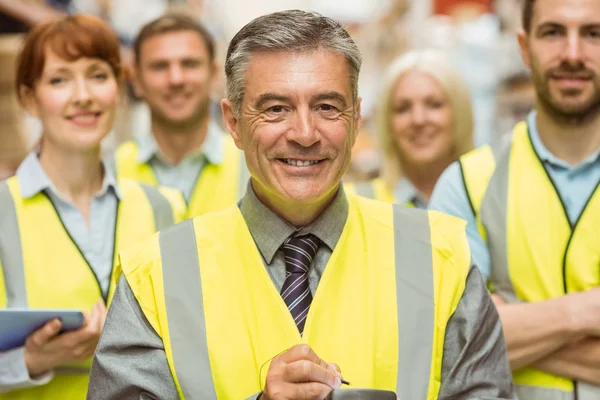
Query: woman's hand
x=46 y=349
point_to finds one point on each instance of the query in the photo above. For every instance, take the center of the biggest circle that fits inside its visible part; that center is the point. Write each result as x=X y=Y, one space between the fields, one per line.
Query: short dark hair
x=173 y=23
x=527 y=15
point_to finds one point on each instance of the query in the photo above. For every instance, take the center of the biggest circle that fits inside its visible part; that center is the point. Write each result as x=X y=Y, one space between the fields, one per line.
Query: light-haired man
x=537 y=203
x=175 y=74
x=250 y=301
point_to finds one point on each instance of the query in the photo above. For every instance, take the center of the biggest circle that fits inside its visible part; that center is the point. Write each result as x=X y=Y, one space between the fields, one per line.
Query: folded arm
x=536 y=331
x=579 y=361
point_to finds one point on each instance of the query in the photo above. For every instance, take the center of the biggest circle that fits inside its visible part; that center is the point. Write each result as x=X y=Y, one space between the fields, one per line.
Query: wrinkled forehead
x=298 y=75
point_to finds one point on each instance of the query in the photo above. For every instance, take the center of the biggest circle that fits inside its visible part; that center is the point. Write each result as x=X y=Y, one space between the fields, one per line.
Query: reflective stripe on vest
x=178 y=247
x=414 y=295
x=414 y=301
x=494 y=217
x=11 y=257
x=162 y=210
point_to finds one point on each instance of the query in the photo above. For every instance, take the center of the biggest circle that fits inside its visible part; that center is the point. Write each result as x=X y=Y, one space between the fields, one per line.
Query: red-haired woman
x=64 y=216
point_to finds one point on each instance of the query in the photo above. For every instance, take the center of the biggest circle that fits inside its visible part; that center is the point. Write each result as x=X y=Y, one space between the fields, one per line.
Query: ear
x=357 y=119
x=231 y=122
x=27 y=95
x=523 y=39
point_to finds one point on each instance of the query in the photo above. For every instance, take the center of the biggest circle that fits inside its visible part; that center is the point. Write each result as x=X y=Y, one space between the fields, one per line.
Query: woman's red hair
x=70 y=38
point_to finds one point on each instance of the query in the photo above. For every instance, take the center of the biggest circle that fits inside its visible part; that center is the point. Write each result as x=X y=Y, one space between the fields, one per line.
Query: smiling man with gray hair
x=300 y=289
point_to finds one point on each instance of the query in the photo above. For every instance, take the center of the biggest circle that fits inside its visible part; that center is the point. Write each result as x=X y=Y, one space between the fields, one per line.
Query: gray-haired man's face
x=298 y=124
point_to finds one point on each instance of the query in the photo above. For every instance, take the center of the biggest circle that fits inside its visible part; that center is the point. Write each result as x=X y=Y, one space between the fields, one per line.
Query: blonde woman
x=424 y=123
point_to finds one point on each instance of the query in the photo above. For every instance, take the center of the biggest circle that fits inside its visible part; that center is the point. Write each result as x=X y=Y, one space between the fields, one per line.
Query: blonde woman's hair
x=436 y=65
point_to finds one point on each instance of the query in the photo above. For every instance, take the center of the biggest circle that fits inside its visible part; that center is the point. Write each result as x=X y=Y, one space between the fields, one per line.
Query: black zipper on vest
x=104 y=297
x=572 y=226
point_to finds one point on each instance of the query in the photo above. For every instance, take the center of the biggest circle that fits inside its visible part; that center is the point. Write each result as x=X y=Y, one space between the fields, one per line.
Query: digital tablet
x=18 y=323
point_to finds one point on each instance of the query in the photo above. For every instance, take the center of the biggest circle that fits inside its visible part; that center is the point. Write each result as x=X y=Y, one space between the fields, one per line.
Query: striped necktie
x=299 y=252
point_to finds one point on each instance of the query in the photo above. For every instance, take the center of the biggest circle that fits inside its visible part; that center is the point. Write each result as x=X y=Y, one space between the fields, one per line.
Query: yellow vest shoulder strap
x=126 y=165
x=375 y=189
x=477 y=168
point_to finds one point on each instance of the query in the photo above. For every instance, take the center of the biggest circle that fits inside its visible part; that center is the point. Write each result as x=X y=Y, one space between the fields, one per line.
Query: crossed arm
x=560 y=336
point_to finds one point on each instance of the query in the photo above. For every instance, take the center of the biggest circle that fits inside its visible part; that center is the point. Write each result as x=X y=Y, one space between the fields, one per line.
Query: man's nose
x=175 y=75
x=304 y=131
x=572 y=52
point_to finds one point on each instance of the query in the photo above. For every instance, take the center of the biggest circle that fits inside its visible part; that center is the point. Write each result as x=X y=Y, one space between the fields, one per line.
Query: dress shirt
x=474 y=366
x=575 y=185
x=95 y=242
x=270 y=231
x=184 y=175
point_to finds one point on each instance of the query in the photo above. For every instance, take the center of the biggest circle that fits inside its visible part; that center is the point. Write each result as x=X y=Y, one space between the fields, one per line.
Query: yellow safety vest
x=536 y=254
x=217 y=186
x=42 y=267
x=381 y=309
x=375 y=189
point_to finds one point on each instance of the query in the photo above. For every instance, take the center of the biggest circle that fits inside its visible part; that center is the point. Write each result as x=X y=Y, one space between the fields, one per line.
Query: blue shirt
x=184 y=175
x=96 y=243
x=575 y=185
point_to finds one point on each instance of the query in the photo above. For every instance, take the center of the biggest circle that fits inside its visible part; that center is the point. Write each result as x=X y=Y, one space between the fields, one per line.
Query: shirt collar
x=33 y=179
x=545 y=154
x=270 y=230
x=213 y=148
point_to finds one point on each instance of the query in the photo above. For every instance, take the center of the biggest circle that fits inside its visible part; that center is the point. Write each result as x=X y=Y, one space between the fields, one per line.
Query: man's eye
x=551 y=33
x=190 y=63
x=276 y=109
x=327 y=107
x=594 y=34
x=159 y=66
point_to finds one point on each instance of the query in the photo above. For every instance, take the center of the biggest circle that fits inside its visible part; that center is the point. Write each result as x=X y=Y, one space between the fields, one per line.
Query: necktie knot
x=299 y=252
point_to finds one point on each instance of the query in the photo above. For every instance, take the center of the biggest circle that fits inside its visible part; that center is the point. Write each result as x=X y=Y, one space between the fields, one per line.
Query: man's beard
x=561 y=111
x=200 y=114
